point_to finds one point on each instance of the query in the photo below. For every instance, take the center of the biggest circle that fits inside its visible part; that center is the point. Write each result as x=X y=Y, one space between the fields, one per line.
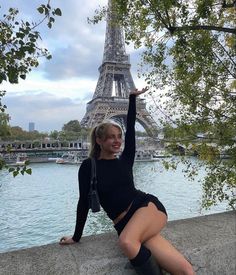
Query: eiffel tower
x=110 y=100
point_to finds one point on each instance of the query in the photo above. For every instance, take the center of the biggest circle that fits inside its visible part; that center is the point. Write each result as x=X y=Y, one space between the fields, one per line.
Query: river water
x=38 y=209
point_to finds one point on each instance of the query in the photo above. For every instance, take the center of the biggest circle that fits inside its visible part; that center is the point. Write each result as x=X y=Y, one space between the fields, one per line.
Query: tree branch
x=223 y=48
x=226 y=67
x=200 y=27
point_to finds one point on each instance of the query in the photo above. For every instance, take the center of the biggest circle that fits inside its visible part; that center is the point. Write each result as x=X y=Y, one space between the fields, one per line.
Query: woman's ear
x=98 y=141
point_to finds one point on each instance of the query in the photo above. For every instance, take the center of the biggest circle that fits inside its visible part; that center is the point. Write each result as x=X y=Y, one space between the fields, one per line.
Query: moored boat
x=21 y=160
x=150 y=155
x=71 y=158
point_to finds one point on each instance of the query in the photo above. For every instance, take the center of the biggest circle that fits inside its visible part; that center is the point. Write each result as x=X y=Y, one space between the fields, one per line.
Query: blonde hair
x=100 y=131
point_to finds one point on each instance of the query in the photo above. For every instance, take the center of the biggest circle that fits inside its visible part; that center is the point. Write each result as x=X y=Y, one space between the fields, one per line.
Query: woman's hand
x=139 y=92
x=66 y=240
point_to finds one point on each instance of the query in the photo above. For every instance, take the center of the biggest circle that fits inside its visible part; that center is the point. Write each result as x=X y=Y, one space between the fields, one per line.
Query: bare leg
x=144 y=224
x=144 y=228
x=168 y=256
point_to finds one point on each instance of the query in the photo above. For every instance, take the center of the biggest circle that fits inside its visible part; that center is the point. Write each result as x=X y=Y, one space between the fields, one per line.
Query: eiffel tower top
x=115 y=79
x=114 y=49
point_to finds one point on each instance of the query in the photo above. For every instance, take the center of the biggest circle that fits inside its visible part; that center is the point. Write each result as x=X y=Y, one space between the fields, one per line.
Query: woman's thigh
x=145 y=223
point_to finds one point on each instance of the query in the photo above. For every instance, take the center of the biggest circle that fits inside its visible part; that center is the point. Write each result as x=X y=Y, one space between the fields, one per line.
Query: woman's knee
x=128 y=245
x=125 y=242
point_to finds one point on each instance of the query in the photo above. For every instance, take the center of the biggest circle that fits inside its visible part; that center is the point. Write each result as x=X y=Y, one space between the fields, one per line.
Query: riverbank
x=208 y=242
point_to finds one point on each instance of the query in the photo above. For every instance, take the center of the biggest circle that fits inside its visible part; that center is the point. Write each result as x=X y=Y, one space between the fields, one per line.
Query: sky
x=58 y=90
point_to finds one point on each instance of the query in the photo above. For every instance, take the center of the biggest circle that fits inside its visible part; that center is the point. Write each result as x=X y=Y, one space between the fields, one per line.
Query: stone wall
x=209 y=242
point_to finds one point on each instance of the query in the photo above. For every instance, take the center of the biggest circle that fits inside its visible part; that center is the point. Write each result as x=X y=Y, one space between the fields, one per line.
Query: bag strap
x=93 y=180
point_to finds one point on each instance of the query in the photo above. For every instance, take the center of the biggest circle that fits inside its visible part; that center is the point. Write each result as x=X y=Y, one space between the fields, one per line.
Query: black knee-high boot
x=150 y=267
x=145 y=264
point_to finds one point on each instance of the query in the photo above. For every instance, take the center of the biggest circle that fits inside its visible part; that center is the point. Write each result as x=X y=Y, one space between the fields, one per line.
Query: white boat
x=150 y=155
x=21 y=160
x=161 y=154
x=71 y=158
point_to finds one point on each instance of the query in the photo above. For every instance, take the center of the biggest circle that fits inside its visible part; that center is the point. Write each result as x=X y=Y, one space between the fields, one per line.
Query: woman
x=138 y=217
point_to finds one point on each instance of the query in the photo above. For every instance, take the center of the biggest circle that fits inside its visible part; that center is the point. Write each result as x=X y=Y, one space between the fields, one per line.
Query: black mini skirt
x=141 y=200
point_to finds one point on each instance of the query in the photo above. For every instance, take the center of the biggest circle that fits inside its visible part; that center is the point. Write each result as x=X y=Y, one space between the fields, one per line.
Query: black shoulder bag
x=93 y=198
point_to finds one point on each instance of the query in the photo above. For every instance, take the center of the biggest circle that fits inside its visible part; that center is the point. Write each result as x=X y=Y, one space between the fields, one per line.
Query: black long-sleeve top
x=115 y=185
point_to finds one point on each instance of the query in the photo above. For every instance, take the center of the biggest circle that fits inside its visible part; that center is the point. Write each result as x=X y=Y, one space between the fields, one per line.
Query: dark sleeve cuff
x=132 y=96
x=75 y=239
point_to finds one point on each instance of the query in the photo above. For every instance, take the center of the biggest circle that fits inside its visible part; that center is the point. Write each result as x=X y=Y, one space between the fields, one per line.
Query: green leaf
x=28 y=171
x=51 y=19
x=58 y=12
x=15 y=173
x=40 y=9
x=2 y=76
x=23 y=76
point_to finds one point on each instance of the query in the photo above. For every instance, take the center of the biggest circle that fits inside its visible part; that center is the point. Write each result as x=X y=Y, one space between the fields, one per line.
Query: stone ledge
x=209 y=242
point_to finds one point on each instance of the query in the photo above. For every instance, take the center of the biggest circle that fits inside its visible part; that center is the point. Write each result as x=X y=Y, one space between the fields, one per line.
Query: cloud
x=76 y=46
x=44 y=109
x=72 y=61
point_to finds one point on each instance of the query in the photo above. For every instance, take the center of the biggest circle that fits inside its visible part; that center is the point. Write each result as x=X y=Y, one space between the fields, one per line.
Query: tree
x=189 y=64
x=19 y=48
x=4 y=127
x=72 y=126
x=72 y=130
x=18 y=134
x=19 y=45
x=54 y=134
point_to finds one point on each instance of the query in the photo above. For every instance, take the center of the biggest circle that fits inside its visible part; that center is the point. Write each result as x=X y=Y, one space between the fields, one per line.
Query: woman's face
x=111 y=143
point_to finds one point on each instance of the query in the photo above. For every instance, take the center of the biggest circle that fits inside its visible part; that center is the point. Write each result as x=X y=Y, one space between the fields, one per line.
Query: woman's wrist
x=75 y=240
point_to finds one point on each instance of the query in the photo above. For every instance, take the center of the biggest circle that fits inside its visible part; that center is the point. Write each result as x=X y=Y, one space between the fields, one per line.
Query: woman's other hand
x=66 y=240
x=139 y=92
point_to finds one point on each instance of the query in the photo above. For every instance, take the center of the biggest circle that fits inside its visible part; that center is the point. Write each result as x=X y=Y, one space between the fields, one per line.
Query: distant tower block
x=110 y=99
x=31 y=126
